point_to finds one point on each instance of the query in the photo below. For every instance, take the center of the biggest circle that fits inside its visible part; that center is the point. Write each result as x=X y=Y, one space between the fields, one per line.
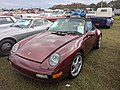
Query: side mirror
x=90 y=34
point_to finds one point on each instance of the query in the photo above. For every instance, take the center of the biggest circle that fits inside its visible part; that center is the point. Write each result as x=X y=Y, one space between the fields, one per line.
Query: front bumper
x=33 y=70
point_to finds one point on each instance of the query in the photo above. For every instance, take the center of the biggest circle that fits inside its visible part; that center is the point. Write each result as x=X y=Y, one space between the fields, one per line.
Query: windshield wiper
x=66 y=32
x=58 y=32
x=72 y=32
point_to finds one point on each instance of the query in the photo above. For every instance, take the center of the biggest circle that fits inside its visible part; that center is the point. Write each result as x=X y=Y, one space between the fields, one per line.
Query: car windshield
x=23 y=23
x=68 y=26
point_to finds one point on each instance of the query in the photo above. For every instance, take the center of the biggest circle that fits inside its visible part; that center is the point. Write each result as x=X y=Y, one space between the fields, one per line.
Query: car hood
x=9 y=30
x=41 y=47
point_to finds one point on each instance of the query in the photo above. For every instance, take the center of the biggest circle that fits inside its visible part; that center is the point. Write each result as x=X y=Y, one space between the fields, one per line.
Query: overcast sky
x=41 y=3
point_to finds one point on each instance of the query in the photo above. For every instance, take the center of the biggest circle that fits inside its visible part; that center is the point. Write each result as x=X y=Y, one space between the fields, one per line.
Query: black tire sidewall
x=3 y=42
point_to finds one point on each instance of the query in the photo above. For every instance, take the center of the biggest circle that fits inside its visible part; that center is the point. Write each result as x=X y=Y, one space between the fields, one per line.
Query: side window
x=38 y=22
x=5 y=20
x=104 y=10
x=89 y=26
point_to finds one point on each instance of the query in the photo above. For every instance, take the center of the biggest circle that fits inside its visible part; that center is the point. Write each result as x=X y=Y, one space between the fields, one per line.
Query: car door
x=89 y=36
x=20 y=33
x=36 y=27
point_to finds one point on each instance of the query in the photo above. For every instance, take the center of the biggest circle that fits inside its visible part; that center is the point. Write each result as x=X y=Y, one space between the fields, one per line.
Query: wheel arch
x=82 y=52
x=10 y=38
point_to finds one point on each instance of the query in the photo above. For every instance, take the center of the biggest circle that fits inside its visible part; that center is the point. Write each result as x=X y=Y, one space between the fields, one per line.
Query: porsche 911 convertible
x=57 y=53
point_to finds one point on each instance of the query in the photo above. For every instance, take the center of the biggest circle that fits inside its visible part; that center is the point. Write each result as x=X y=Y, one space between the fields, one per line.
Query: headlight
x=15 y=47
x=54 y=59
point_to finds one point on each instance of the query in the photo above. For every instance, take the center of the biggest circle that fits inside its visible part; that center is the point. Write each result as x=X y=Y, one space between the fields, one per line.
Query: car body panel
x=42 y=44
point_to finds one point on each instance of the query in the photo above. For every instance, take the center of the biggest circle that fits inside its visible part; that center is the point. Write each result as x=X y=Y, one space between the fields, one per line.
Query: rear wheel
x=98 y=45
x=5 y=46
x=76 y=65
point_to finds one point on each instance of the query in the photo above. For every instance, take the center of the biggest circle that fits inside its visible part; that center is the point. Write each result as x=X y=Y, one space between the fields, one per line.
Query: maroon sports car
x=58 y=52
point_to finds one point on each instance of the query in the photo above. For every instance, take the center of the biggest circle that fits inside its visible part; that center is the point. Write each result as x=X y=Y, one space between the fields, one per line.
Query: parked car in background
x=57 y=53
x=81 y=13
x=19 y=30
x=117 y=12
x=29 y=15
x=59 y=14
x=104 y=17
x=46 y=15
x=91 y=14
x=6 y=21
x=53 y=19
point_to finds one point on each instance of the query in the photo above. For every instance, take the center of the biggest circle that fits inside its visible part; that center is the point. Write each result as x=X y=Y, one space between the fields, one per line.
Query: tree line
x=113 y=4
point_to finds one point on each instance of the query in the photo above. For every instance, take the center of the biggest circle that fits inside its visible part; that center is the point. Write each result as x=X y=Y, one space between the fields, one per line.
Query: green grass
x=101 y=69
x=117 y=17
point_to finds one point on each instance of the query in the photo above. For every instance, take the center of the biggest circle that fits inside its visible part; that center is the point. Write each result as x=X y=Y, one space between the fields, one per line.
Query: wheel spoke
x=6 y=47
x=73 y=71
x=77 y=59
x=76 y=65
x=80 y=62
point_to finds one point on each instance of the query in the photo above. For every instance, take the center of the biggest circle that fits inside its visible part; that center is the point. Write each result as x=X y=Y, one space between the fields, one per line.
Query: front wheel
x=76 y=65
x=5 y=46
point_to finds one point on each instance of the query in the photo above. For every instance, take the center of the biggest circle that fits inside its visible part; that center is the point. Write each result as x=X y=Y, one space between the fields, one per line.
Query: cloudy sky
x=41 y=3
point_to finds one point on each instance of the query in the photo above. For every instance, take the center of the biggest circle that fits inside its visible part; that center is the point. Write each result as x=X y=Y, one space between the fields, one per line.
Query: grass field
x=101 y=69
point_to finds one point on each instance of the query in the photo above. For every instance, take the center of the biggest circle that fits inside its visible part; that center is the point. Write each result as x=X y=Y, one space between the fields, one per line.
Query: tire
x=98 y=45
x=5 y=46
x=76 y=66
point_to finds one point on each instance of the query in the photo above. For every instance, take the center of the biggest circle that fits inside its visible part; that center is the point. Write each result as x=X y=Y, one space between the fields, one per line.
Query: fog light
x=42 y=76
x=57 y=75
